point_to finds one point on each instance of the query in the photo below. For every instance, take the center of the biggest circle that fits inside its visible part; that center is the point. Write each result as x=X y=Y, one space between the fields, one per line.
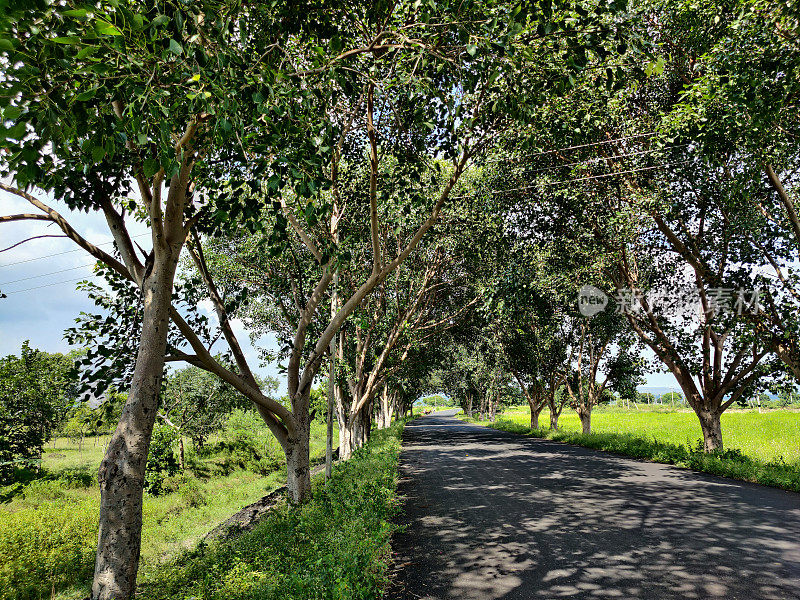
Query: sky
x=39 y=279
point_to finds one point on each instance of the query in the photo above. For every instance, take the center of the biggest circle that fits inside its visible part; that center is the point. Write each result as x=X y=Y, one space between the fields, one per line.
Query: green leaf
x=17 y=132
x=10 y=113
x=87 y=95
x=79 y=13
x=471 y=49
x=6 y=45
x=72 y=40
x=106 y=28
x=175 y=47
x=151 y=166
x=87 y=51
x=98 y=152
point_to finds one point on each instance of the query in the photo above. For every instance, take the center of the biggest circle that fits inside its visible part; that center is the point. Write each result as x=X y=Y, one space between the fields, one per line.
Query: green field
x=765 y=436
x=48 y=527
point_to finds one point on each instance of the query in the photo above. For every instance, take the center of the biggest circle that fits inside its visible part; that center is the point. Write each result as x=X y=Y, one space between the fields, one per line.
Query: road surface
x=490 y=514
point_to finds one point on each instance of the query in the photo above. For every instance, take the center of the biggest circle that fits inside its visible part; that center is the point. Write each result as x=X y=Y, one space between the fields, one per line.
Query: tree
x=197 y=403
x=36 y=392
x=737 y=65
x=105 y=100
x=671 y=397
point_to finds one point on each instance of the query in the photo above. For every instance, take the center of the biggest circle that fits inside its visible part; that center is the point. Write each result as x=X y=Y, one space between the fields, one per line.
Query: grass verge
x=334 y=546
x=48 y=524
x=728 y=463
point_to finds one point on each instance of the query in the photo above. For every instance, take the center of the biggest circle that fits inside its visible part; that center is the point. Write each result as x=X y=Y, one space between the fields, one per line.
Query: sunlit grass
x=67 y=498
x=759 y=447
x=766 y=436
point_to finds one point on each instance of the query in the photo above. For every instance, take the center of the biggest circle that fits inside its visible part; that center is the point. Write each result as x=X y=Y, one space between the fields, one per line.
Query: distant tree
x=197 y=403
x=36 y=390
x=646 y=397
x=671 y=398
x=435 y=400
x=85 y=420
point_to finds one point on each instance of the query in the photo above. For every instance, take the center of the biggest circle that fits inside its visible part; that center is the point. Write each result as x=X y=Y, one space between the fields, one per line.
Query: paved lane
x=494 y=515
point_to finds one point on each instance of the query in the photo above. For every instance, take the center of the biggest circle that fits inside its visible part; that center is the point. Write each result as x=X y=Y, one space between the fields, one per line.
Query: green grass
x=335 y=546
x=48 y=527
x=762 y=448
x=766 y=436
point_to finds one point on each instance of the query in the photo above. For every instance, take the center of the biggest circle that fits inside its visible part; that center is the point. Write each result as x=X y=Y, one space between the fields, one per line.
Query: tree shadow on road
x=493 y=515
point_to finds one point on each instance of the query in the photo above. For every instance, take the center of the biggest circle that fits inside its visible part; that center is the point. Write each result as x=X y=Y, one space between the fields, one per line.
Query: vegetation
x=36 y=390
x=335 y=546
x=48 y=528
x=499 y=201
x=762 y=448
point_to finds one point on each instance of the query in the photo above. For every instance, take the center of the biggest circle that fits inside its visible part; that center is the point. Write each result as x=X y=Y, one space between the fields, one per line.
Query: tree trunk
x=585 y=415
x=384 y=412
x=535 y=412
x=469 y=404
x=712 y=429
x=121 y=473
x=345 y=441
x=181 y=461
x=553 y=420
x=365 y=416
x=298 y=469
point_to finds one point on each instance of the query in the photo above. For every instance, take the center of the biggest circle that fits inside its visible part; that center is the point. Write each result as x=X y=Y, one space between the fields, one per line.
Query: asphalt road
x=491 y=514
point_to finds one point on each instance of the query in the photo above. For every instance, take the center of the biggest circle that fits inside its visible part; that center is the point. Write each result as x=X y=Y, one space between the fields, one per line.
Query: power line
x=38 y=287
x=27 y=260
x=567 y=148
x=570 y=181
x=47 y=274
x=576 y=163
x=505 y=191
x=602 y=158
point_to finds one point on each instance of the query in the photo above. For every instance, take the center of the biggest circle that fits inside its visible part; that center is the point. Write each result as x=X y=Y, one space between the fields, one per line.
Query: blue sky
x=39 y=279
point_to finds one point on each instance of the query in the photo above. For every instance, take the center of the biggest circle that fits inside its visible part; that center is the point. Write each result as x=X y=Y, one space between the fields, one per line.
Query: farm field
x=766 y=436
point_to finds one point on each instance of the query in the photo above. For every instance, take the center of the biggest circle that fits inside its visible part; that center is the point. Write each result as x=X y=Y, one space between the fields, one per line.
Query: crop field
x=766 y=436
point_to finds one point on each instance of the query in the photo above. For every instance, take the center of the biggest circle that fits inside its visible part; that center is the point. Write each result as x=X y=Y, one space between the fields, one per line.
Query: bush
x=161 y=461
x=188 y=487
x=335 y=546
x=46 y=548
x=246 y=443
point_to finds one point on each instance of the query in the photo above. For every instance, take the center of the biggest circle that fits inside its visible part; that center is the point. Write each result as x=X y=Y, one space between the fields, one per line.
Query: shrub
x=246 y=443
x=161 y=461
x=188 y=489
x=334 y=546
x=46 y=548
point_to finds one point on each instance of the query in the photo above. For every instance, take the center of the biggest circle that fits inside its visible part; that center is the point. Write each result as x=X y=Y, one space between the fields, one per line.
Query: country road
x=493 y=515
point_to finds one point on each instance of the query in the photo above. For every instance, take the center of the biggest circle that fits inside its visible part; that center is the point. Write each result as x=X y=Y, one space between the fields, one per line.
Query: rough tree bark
x=121 y=473
x=585 y=416
x=711 y=426
x=297 y=451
